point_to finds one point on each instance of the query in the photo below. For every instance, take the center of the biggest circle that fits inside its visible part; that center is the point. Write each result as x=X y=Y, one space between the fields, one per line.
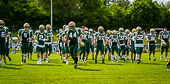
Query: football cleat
x=75 y=66
x=96 y=61
x=103 y=62
x=154 y=59
x=131 y=60
x=22 y=63
x=138 y=61
x=112 y=61
x=9 y=58
x=0 y=64
x=60 y=57
x=67 y=63
x=85 y=60
x=149 y=59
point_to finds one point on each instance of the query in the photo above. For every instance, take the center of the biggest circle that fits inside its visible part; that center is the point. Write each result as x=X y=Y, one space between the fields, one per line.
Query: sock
x=128 y=57
x=138 y=59
x=100 y=55
x=125 y=56
x=0 y=62
x=76 y=58
x=161 y=55
x=112 y=57
x=85 y=58
x=116 y=56
x=64 y=58
x=102 y=60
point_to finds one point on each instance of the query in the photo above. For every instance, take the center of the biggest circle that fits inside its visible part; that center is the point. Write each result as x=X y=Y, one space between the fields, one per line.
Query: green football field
x=89 y=72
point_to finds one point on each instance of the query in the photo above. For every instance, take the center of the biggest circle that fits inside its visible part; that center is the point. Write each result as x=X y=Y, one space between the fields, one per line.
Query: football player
x=83 y=33
x=121 y=37
x=164 y=36
x=151 y=38
x=87 y=43
x=101 y=40
x=41 y=38
x=66 y=44
x=8 y=43
x=72 y=35
x=23 y=35
x=30 y=45
x=59 y=40
x=114 y=43
x=91 y=43
x=139 y=35
x=18 y=46
x=126 y=41
x=131 y=45
x=107 y=45
x=48 y=44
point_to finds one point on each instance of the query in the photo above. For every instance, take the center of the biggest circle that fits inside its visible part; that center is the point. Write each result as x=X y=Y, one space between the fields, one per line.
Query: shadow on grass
x=153 y=63
x=113 y=64
x=14 y=64
x=43 y=64
x=11 y=68
x=88 y=69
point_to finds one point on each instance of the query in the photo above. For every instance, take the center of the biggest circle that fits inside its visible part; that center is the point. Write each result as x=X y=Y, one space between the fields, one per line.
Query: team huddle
x=79 y=42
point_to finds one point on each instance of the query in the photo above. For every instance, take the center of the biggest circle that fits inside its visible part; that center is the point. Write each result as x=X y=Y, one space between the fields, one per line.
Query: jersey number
x=71 y=35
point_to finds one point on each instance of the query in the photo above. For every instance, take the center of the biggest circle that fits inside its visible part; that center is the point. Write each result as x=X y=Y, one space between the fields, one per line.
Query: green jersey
x=107 y=39
x=100 y=38
x=3 y=36
x=8 y=40
x=73 y=36
x=50 y=35
x=92 y=36
x=24 y=36
x=113 y=39
x=151 y=37
x=40 y=39
x=132 y=40
x=165 y=36
x=30 y=35
x=121 y=38
x=139 y=40
x=126 y=39
x=85 y=36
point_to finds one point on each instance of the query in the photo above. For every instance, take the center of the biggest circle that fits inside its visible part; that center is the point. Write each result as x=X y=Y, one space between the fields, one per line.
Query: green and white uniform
x=73 y=45
x=126 y=40
x=92 y=46
x=48 y=44
x=151 y=43
x=139 y=42
x=8 y=40
x=30 y=46
x=114 y=45
x=59 y=36
x=100 y=46
x=165 y=37
x=107 y=46
x=121 y=38
x=65 y=46
x=24 y=40
x=2 y=41
x=132 y=43
x=41 y=42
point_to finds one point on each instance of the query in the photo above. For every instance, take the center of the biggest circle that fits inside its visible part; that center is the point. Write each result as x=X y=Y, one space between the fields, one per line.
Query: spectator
x=13 y=29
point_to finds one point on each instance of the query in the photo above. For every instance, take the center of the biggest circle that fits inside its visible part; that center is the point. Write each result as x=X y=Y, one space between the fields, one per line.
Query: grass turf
x=89 y=72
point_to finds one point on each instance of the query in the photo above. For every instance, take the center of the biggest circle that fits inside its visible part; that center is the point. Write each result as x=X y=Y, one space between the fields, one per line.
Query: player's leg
x=26 y=51
x=3 y=53
x=7 y=53
x=127 y=50
x=78 y=54
x=38 y=51
x=46 y=52
x=31 y=50
x=92 y=51
x=168 y=64
x=138 y=55
x=123 y=52
x=23 y=51
x=97 y=51
x=75 y=56
x=150 y=51
x=60 y=48
x=67 y=54
x=102 y=52
x=0 y=55
x=63 y=52
x=131 y=52
x=112 y=56
x=153 y=50
x=117 y=53
x=166 y=51
x=162 y=50
x=109 y=54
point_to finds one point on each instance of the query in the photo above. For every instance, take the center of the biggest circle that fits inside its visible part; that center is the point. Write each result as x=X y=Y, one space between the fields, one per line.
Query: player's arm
x=109 y=42
x=118 y=42
x=128 y=43
x=105 y=43
x=95 y=37
x=169 y=38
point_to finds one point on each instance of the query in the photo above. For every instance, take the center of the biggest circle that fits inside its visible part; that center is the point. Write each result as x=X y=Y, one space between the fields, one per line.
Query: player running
x=41 y=38
x=164 y=36
x=114 y=43
x=48 y=44
x=72 y=35
x=91 y=43
x=101 y=41
x=139 y=35
x=151 y=38
x=59 y=40
x=23 y=35
x=8 y=43
x=30 y=44
x=131 y=44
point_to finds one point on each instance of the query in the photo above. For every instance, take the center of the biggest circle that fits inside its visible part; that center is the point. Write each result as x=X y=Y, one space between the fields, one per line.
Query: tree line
x=111 y=14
